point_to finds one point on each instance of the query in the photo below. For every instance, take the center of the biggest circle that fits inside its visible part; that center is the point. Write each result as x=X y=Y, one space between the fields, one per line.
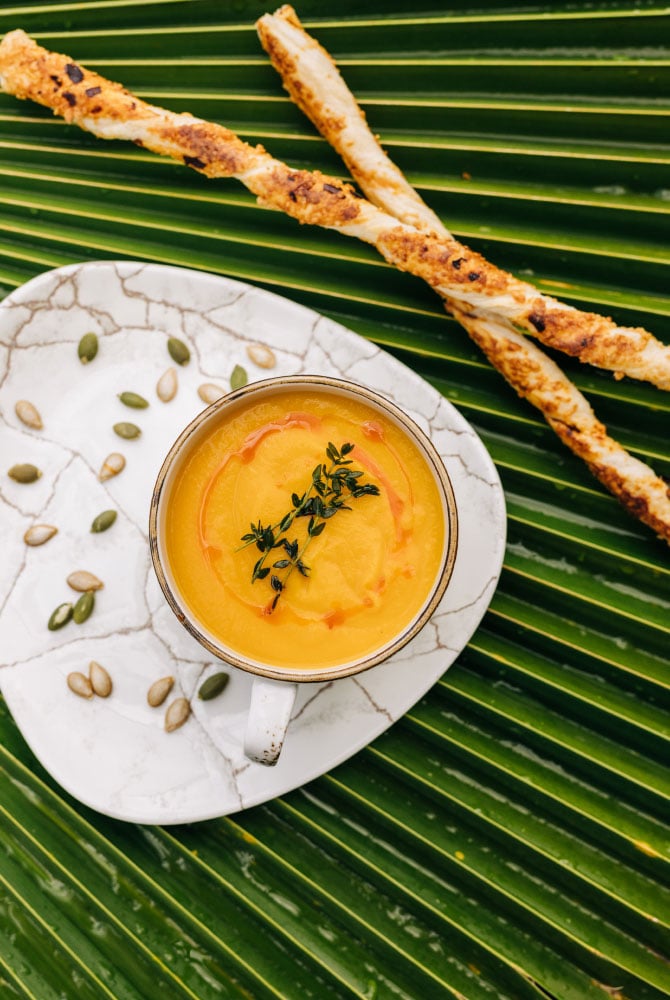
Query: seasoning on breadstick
x=109 y=111
x=315 y=84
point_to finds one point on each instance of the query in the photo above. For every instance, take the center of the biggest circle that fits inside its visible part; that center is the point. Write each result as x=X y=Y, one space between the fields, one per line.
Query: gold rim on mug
x=430 y=454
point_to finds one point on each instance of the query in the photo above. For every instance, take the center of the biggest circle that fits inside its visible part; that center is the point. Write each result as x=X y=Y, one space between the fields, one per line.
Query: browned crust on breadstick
x=536 y=378
x=582 y=335
x=82 y=96
x=108 y=110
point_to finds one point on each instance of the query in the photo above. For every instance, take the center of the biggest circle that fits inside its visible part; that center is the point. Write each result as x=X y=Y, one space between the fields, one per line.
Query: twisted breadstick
x=315 y=84
x=111 y=112
x=539 y=380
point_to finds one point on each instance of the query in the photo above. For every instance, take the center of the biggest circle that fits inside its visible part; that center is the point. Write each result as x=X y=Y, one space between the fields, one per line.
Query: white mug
x=275 y=687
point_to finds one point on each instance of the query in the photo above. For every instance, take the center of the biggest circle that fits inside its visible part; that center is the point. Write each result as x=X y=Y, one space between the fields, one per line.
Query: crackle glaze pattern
x=113 y=754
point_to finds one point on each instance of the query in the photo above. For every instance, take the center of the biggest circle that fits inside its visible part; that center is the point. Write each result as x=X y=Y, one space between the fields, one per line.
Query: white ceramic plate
x=113 y=754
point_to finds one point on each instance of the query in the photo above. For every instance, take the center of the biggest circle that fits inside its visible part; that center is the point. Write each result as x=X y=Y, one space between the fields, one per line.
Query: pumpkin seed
x=38 y=534
x=103 y=521
x=134 y=400
x=83 y=607
x=261 y=355
x=88 y=348
x=79 y=684
x=178 y=351
x=209 y=393
x=166 y=387
x=83 y=581
x=112 y=465
x=238 y=377
x=24 y=472
x=127 y=430
x=60 y=617
x=28 y=414
x=177 y=714
x=159 y=691
x=100 y=680
x=213 y=686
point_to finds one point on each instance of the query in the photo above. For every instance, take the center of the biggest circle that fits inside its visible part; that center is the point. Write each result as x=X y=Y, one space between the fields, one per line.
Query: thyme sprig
x=331 y=487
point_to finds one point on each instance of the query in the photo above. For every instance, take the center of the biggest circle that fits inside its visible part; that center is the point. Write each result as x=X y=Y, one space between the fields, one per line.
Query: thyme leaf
x=330 y=487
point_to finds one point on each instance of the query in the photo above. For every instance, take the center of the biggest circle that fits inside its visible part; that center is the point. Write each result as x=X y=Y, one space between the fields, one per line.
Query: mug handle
x=269 y=714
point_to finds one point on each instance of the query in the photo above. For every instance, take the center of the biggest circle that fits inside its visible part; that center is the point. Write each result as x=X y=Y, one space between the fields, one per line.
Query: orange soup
x=366 y=571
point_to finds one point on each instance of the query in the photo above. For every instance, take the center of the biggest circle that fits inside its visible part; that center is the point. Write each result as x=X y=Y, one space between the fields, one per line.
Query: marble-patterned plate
x=113 y=754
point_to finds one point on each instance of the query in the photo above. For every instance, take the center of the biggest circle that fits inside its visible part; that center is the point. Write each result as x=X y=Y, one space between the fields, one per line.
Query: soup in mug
x=339 y=577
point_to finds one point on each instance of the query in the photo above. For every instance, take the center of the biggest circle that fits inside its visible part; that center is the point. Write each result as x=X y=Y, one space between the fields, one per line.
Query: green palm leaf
x=508 y=837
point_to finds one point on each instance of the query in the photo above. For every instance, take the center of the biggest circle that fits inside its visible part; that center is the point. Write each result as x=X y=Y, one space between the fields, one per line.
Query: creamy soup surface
x=371 y=568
